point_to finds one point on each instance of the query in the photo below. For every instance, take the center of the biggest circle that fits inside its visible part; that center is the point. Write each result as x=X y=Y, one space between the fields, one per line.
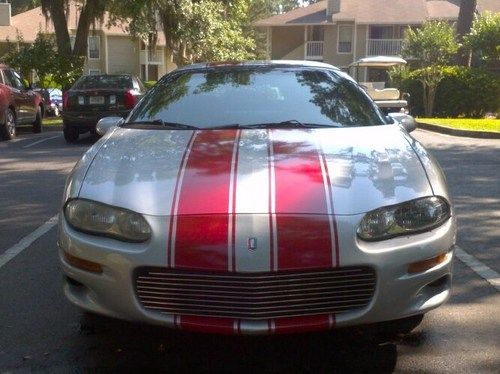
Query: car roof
x=259 y=63
x=379 y=61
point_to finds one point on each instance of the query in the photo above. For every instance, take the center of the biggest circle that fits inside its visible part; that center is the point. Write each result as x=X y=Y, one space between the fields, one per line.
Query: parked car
x=52 y=99
x=257 y=198
x=389 y=99
x=93 y=97
x=19 y=104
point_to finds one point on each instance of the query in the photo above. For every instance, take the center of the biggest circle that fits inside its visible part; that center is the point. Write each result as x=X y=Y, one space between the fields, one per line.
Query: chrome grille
x=255 y=295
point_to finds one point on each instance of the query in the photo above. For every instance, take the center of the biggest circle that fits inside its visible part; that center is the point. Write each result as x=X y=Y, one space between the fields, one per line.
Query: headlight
x=100 y=219
x=407 y=218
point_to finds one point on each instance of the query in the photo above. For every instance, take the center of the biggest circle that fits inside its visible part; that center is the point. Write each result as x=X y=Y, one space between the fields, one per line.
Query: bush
x=52 y=69
x=467 y=92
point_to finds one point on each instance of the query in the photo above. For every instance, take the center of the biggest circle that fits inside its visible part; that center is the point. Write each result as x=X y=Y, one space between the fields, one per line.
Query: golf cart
x=374 y=72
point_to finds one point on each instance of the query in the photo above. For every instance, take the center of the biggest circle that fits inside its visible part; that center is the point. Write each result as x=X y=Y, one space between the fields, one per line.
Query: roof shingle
x=405 y=12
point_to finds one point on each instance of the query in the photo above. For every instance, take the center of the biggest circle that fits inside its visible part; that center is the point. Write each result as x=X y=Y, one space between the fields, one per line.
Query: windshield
x=103 y=81
x=252 y=96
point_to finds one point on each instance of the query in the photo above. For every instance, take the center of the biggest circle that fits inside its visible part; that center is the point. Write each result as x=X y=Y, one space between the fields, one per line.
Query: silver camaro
x=257 y=198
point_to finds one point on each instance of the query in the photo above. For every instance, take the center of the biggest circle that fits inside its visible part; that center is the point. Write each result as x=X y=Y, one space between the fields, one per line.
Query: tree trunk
x=464 y=24
x=55 y=9
x=431 y=98
x=90 y=12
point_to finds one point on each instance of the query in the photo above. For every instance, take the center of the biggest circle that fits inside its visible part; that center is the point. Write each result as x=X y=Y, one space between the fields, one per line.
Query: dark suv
x=19 y=104
x=93 y=97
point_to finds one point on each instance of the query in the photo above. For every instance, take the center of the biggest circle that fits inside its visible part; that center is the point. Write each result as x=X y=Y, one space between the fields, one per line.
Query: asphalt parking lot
x=41 y=331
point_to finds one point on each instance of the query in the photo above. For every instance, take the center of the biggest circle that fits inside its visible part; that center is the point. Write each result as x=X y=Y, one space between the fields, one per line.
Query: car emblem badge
x=252 y=244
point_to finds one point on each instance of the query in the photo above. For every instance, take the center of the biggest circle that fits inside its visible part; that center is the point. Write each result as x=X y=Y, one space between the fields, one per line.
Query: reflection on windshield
x=248 y=96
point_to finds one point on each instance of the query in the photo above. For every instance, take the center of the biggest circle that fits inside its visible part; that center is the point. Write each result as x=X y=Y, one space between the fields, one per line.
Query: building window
x=94 y=72
x=345 y=39
x=94 y=47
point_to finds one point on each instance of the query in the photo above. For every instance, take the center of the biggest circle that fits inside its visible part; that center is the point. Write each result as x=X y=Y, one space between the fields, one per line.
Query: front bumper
x=398 y=294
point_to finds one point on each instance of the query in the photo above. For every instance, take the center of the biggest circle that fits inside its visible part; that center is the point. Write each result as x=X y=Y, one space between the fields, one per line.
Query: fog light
x=421 y=266
x=82 y=264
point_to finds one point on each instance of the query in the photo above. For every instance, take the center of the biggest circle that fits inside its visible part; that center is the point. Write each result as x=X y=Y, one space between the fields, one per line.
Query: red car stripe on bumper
x=215 y=325
x=302 y=324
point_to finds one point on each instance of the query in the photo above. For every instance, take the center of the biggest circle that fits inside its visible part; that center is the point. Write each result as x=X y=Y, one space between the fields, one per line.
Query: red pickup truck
x=19 y=104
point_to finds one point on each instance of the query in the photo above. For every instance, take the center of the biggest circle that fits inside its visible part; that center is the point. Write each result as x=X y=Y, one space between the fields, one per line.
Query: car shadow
x=124 y=346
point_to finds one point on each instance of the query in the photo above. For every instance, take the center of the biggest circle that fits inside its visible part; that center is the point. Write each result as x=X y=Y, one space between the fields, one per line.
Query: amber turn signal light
x=82 y=264
x=421 y=266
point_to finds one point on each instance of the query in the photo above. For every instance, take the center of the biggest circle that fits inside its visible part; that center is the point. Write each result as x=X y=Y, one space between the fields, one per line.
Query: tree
x=41 y=56
x=195 y=30
x=484 y=37
x=90 y=12
x=19 y=6
x=433 y=46
x=464 y=24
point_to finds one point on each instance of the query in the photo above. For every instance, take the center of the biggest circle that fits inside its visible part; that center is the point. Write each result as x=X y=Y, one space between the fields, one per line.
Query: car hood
x=341 y=171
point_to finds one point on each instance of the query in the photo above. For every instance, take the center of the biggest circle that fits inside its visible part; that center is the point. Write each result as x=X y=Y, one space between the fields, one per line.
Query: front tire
x=71 y=134
x=8 y=129
x=37 y=125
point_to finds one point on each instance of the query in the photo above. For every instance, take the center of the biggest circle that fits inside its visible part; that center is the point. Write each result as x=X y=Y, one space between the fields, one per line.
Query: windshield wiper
x=160 y=123
x=282 y=124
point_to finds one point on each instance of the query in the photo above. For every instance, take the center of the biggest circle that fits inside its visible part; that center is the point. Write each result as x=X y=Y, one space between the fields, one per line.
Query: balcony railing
x=384 y=47
x=314 y=50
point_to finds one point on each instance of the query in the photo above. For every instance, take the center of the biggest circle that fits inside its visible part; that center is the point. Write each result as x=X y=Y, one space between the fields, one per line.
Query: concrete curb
x=456 y=132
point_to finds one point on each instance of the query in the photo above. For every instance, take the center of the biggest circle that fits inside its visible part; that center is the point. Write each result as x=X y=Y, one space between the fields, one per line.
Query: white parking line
x=41 y=141
x=488 y=274
x=25 y=242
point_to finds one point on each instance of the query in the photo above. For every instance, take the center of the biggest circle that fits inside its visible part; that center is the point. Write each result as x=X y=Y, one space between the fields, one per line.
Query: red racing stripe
x=270 y=159
x=332 y=210
x=304 y=239
x=173 y=209
x=201 y=237
x=215 y=325
x=232 y=209
x=302 y=324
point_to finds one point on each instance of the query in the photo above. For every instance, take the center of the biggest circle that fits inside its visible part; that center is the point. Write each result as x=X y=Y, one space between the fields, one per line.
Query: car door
x=22 y=97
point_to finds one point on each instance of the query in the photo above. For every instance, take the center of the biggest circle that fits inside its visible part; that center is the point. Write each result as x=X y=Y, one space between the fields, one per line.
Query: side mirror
x=106 y=123
x=405 y=120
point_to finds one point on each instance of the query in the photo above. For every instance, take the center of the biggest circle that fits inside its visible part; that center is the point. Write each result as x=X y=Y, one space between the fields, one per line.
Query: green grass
x=52 y=121
x=470 y=124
